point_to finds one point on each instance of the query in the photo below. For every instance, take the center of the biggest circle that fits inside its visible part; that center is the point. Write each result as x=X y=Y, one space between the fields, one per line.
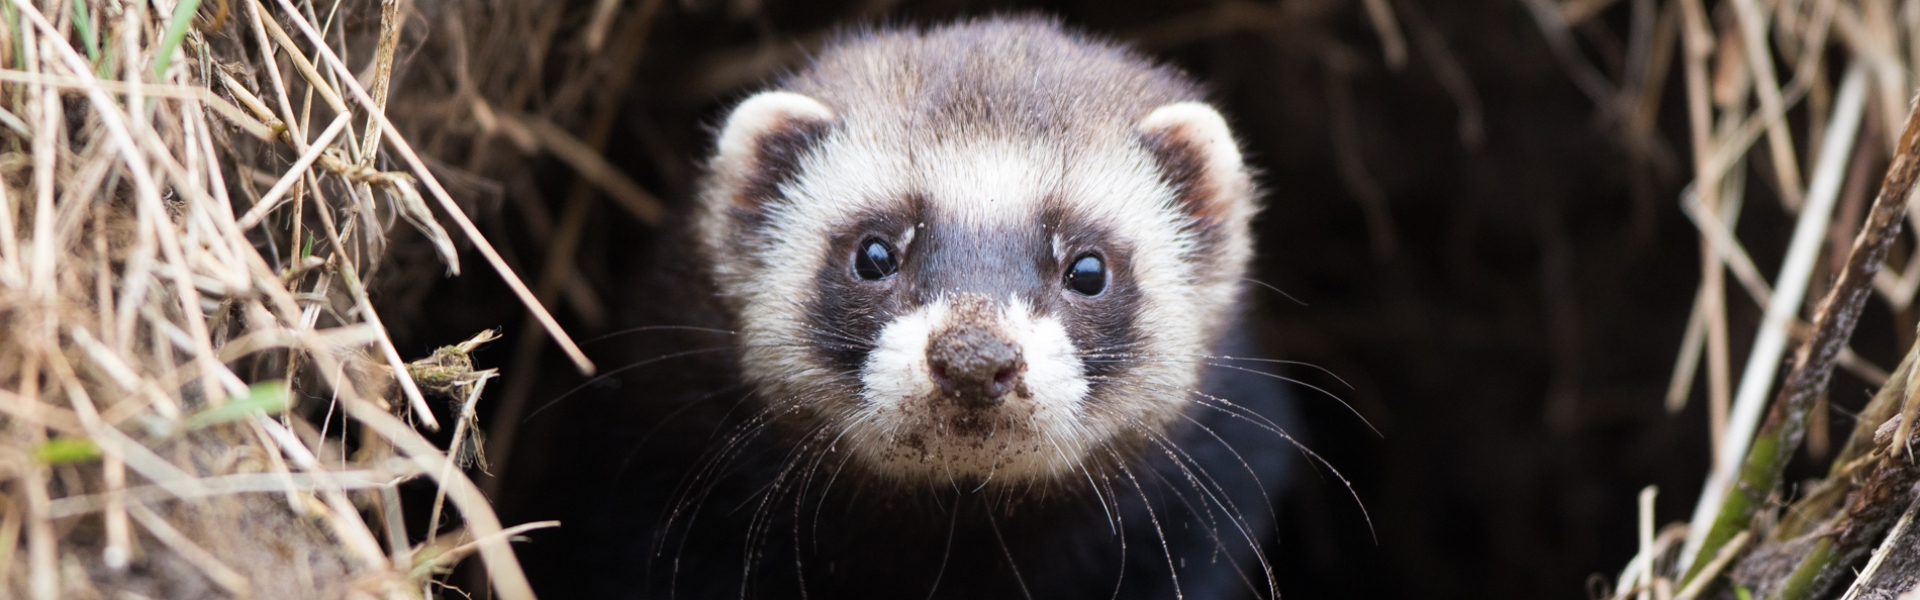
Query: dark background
x=1501 y=275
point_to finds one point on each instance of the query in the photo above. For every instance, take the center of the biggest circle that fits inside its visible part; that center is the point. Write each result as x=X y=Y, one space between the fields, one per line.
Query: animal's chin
x=936 y=439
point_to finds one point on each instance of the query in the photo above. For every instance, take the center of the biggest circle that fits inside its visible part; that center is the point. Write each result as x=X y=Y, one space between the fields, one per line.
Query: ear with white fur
x=763 y=142
x=1198 y=157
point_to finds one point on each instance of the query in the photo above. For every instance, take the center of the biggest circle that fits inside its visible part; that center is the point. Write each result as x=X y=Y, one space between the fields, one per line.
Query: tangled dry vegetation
x=1811 y=98
x=197 y=396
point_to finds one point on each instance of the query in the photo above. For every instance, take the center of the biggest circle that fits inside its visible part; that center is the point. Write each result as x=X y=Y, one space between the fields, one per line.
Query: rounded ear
x=763 y=141
x=1198 y=157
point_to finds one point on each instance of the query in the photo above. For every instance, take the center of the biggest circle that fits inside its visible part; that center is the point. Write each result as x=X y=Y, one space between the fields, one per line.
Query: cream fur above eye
x=875 y=259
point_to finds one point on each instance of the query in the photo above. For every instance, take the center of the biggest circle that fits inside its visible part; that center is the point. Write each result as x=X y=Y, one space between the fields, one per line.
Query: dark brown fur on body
x=699 y=477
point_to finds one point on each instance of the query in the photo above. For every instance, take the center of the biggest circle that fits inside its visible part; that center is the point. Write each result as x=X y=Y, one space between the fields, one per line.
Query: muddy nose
x=975 y=364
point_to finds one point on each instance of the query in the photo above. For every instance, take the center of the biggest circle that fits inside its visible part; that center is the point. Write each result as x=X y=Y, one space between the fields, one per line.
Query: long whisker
x=699 y=484
x=1234 y=514
x=839 y=335
x=614 y=334
x=823 y=495
x=1120 y=525
x=611 y=373
x=788 y=463
x=690 y=494
x=1108 y=355
x=1157 y=530
x=1236 y=411
x=953 y=523
x=760 y=523
x=995 y=468
x=853 y=424
x=1343 y=402
x=1275 y=290
x=1268 y=500
x=794 y=458
x=1113 y=524
x=1276 y=361
x=995 y=525
x=1308 y=452
x=641 y=443
x=1212 y=530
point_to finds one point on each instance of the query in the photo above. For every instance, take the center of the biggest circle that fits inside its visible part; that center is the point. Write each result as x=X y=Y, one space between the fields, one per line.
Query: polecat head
x=993 y=251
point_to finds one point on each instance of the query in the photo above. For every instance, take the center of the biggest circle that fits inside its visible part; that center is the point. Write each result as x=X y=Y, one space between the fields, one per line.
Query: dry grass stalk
x=1734 y=99
x=174 y=340
x=620 y=63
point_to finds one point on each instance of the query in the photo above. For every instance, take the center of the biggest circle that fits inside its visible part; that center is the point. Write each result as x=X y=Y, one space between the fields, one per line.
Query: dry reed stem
x=239 y=483
x=462 y=425
x=603 y=11
x=1885 y=549
x=1834 y=320
x=1753 y=31
x=586 y=161
x=391 y=24
x=363 y=173
x=1698 y=43
x=182 y=292
x=1721 y=558
x=271 y=200
x=1734 y=256
x=502 y=567
x=1559 y=33
x=1453 y=78
x=1642 y=574
x=558 y=267
x=1789 y=292
x=1729 y=72
x=1393 y=45
x=177 y=92
x=447 y=203
x=1647 y=496
x=454 y=554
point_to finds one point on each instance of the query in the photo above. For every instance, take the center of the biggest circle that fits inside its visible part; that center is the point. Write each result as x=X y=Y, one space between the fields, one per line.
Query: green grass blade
x=13 y=32
x=176 y=31
x=60 y=451
x=84 y=24
x=268 y=397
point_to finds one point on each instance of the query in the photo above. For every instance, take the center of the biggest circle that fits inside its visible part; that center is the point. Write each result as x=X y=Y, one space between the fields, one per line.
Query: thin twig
x=1789 y=292
x=1833 y=324
x=1721 y=558
x=1393 y=45
x=447 y=203
x=587 y=162
x=1773 y=110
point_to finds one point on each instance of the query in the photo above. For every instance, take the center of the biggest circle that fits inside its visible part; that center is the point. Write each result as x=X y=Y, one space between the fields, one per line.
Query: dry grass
x=197 y=201
x=1744 y=112
x=198 y=396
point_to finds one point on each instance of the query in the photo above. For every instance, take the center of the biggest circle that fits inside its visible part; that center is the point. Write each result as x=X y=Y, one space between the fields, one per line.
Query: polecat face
x=991 y=254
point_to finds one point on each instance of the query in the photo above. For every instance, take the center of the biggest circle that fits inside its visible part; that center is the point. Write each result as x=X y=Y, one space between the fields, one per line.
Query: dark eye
x=1087 y=276
x=875 y=260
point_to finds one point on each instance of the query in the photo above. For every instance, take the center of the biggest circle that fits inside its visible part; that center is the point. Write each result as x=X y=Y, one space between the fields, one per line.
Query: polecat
x=972 y=291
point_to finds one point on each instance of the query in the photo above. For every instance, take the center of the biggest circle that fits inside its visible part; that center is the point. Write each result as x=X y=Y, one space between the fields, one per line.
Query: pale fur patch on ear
x=1198 y=156
x=764 y=138
x=763 y=113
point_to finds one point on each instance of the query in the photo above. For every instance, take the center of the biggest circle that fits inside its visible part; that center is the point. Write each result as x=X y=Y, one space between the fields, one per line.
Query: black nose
x=975 y=364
